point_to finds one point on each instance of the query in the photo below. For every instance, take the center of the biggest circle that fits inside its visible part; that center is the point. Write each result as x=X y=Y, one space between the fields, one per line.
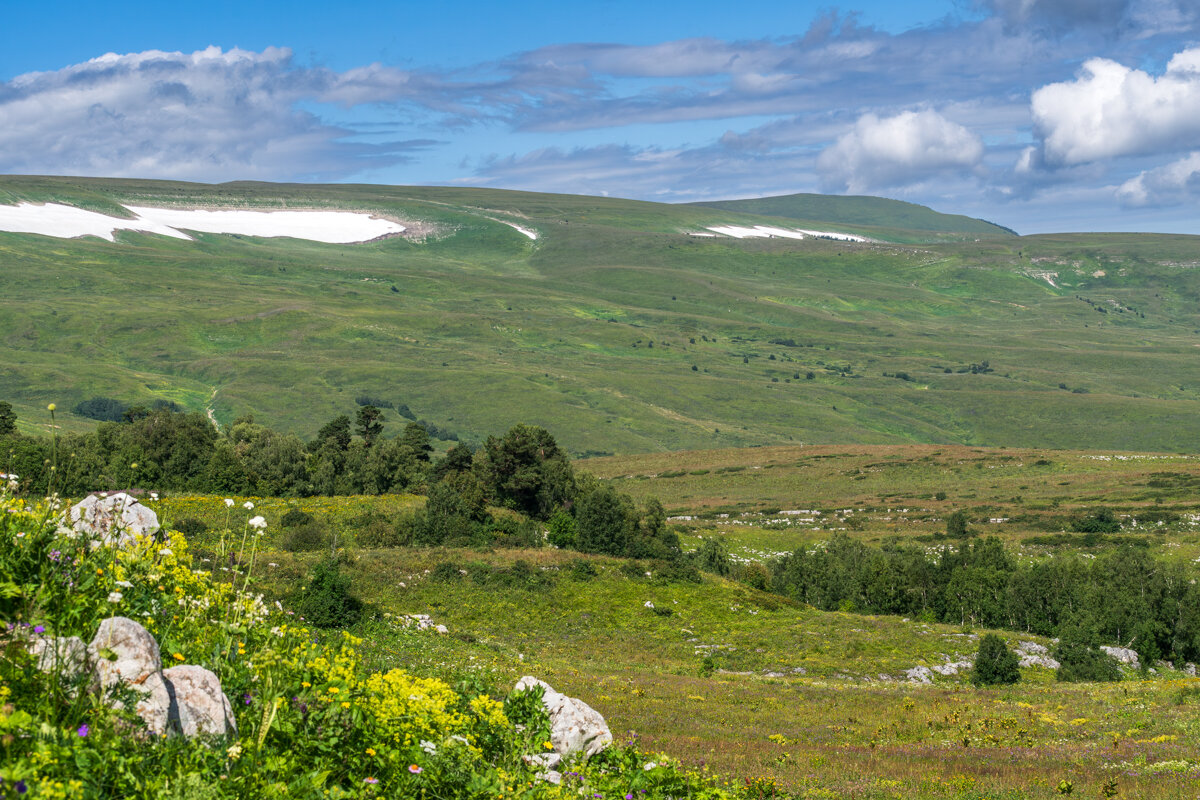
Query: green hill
x=903 y=219
x=624 y=327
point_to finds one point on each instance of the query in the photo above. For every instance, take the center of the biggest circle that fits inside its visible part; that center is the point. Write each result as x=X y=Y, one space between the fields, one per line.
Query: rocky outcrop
x=575 y=727
x=1033 y=654
x=1123 y=655
x=114 y=519
x=65 y=655
x=186 y=699
x=919 y=675
x=201 y=708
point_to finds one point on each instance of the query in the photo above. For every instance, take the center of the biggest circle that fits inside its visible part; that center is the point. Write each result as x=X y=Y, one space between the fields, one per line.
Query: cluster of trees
x=524 y=471
x=1124 y=595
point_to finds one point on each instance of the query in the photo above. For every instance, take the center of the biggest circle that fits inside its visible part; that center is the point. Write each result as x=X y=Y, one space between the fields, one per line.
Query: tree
x=336 y=431
x=713 y=556
x=956 y=525
x=526 y=471
x=602 y=524
x=995 y=664
x=327 y=601
x=8 y=419
x=369 y=424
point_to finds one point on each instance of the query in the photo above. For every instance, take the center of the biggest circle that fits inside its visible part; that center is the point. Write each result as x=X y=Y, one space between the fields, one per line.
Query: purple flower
x=247 y=698
x=40 y=629
x=83 y=731
x=21 y=787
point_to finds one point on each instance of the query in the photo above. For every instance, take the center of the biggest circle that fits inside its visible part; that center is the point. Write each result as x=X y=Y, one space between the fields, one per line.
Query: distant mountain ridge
x=861 y=210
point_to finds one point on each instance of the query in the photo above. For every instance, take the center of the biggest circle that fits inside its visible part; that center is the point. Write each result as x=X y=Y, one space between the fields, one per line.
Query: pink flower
x=414 y=769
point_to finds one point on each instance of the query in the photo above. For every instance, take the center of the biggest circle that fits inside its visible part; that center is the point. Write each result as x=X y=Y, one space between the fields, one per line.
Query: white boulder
x=116 y=519
x=575 y=727
x=919 y=675
x=66 y=655
x=1122 y=654
x=202 y=708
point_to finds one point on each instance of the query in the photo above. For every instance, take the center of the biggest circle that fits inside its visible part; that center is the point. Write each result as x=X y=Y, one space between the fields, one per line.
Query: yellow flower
x=51 y=407
x=345 y=704
x=305 y=684
x=333 y=690
x=177 y=656
x=370 y=751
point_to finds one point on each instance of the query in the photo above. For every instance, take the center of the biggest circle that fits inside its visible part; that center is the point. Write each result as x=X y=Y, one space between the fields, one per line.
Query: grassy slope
x=901 y=218
x=486 y=328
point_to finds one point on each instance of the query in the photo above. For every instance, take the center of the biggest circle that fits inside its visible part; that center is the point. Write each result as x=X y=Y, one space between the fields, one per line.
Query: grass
x=475 y=327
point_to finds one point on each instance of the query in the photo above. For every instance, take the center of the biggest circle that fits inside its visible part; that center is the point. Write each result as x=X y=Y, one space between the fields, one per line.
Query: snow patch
x=66 y=222
x=767 y=232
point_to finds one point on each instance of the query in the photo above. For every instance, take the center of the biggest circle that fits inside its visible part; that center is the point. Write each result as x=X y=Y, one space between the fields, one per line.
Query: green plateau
x=624 y=327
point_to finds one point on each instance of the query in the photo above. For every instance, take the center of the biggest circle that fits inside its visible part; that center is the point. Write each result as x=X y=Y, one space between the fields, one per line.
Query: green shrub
x=712 y=556
x=308 y=537
x=327 y=601
x=562 y=530
x=995 y=664
x=583 y=570
x=294 y=518
x=1079 y=662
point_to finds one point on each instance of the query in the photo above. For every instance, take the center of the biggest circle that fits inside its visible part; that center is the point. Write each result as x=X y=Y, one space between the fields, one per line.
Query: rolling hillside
x=623 y=327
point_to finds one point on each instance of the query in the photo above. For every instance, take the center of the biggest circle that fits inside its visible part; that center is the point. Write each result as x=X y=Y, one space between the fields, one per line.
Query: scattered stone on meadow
x=124 y=654
x=919 y=675
x=548 y=762
x=954 y=667
x=116 y=519
x=201 y=707
x=1122 y=654
x=575 y=727
x=66 y=655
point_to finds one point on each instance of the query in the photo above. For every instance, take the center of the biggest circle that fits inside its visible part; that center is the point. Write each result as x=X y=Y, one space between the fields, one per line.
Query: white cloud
x=893 y=151
x=1110 y=110
x=1173 y=184
x=207 y=115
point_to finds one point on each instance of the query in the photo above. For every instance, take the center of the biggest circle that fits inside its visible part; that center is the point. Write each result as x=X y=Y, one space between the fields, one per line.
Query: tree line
x=1123 y=595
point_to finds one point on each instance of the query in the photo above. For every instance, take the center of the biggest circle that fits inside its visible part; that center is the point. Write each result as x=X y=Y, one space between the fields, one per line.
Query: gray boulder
x=201 y=708
x=919 y=675
x=1122 y=654
x=116 y=519
x=66 y=655
x=124 y=654
x=575 y=727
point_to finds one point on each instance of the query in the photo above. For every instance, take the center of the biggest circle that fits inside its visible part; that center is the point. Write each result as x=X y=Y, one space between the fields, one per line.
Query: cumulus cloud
x=892 y=151
x=1110 y=110
x=208 y=115
x=1171 y=185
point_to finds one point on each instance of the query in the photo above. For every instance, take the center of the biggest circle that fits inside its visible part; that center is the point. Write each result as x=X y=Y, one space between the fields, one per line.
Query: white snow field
x=66 y=222
x=765 y=231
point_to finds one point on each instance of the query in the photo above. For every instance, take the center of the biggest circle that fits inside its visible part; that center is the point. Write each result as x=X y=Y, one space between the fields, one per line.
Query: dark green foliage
x=1080 y=661
x=525 y=470
x=455 y=510
x=327 y=600
x=8 y=419
x=583 y=570
x=713 y=556
x=602 y=524
x=335 y=432
x=446 y=572
x=369 y=424
x=307 y=537
x=295 y=517
x=956 y=525
x=995 y=664
x=1102 y=520
x=457 y=459
x=105 y=409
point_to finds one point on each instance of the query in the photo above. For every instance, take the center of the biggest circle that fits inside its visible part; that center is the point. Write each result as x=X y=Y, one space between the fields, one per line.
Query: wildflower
x=370 y=751
x=177 y=656
x=650 y=765
x=125 y=584
x=345 y=704
x=154 y=495
x=257 y=522
x=548 y=745
x=51 y=407
x=39 y=629
x=371 y=781
x=234 y=751
x=333 y=690
x=166 y=551
x=248 y=505
x=228 y=503
x=115 y=597
x=83 y=731
x=414 y=769
x=428 y=747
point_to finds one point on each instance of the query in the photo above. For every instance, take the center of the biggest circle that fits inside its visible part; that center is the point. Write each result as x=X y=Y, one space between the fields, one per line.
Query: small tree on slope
x=995 y=663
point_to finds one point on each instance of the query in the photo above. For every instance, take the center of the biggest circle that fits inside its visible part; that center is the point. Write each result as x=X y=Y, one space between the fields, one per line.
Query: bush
x=1079 y=662
x=1102 y=520
x=712 y=556
x=562 y=530
x=191 y=527
x=306 y=538
x=294 y=518
x=583 y=570
x=327 y=601
x=995 y=664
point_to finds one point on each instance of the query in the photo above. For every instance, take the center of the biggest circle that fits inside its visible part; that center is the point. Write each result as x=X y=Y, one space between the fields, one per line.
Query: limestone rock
x=66 y=655
x=117 y=519
x=201 y=707
x=919 y=675
x=1033 y=654
x=1122 y=654
x=954 y=667
x=575 y=727
x=123 y=653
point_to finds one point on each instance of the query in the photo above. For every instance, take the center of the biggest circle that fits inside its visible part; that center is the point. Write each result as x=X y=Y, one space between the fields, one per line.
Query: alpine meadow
x=463 y=492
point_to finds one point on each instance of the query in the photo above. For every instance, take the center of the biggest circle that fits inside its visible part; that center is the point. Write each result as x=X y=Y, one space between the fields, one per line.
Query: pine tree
x=995 y=663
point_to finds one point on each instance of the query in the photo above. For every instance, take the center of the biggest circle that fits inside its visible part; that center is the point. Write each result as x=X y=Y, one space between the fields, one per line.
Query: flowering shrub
x=312 y=722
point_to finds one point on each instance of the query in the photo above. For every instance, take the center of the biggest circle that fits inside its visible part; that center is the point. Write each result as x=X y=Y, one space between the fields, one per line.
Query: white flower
x=115 y=597
x=648 y=604
x=125 y=584
x=428 y=747
x=272 y=564
x=165 y=551
x=649 y=766
x=154 y=495
x=248 y=505
x=228 y=503
x=257 y=522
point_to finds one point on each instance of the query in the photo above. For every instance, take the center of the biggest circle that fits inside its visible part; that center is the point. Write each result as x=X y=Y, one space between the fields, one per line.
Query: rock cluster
x=575 y=727
x=1033 y=654
x=123 y=657
x=1123 y=655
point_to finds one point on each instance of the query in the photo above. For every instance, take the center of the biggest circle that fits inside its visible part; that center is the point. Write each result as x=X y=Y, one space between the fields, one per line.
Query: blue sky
x=1042 y=115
